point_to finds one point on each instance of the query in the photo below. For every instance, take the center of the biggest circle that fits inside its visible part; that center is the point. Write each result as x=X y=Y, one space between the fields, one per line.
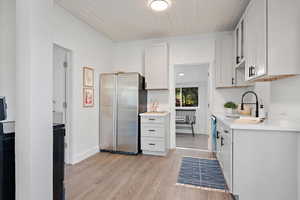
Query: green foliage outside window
x=186 y=97
x=178 y=97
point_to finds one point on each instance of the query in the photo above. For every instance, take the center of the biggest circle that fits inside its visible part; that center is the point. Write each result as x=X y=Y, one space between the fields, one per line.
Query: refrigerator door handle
x=115 y=117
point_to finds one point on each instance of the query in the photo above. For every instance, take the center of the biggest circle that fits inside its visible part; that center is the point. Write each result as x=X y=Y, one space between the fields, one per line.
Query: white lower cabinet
x=155 y=133
x=224 y=153
x=227 y=157
x=153 y=144
x=259 y=164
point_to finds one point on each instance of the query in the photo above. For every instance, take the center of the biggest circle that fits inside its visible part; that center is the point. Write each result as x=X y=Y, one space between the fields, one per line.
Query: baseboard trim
x=192 y=149
x=83 y=156
x=190 y=133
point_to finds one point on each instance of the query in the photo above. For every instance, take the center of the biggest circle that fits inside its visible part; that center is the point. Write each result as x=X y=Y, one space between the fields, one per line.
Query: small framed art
x=88 y=97
x=88 y=77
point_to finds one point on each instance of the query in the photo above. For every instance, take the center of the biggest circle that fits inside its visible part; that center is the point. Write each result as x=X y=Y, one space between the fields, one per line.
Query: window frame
x=181 y=96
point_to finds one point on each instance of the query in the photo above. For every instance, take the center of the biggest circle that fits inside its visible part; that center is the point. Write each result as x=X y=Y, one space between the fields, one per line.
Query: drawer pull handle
x=151 y=144
x=152 y=119
x=151 y=130
x=226 y=131
x=222 y=141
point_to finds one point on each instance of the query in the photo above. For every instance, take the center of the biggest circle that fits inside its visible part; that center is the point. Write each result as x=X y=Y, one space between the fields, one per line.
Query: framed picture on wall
x=88 y=77
x=88 y=97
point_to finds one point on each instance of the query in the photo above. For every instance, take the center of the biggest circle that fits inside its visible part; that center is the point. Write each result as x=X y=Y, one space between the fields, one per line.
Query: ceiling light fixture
x=181 y=74
x=159 y=5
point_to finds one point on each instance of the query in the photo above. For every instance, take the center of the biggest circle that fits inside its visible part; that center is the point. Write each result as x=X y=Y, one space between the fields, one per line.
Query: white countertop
x=164 y=113
x=7 y=126
x=264 y=126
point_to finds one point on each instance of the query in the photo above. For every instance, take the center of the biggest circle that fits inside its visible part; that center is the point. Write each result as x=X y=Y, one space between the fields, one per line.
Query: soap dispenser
x=262 y=112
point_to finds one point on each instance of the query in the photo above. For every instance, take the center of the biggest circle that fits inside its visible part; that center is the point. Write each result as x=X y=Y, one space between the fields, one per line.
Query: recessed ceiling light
x=159 y=5
x=181 y=74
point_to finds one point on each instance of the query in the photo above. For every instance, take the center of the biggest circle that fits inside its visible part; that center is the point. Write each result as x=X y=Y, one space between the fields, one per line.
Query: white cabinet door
x=218 y=145
x=224 y=61
x=256 y=39
x=224 y=153
x=260 y=7
x=156 y=67
x=227 y=157
x=283 y=37
x=240 y=42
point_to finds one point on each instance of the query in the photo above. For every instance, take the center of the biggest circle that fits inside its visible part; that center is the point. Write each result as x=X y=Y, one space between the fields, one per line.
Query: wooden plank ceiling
x=123 y=20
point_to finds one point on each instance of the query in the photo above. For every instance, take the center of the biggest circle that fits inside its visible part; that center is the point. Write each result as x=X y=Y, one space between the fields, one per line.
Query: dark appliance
x=7 y=165
x=122 y=98
x=3 y=107
x=7 y=162
x=58 y=161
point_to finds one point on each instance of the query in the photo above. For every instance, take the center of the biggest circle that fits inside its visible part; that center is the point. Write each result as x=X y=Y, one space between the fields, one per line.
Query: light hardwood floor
x=108 y=176
x=199 y=141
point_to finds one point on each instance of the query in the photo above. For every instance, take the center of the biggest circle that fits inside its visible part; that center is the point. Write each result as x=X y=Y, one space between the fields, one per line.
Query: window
x=178 y=97
x=186 y=97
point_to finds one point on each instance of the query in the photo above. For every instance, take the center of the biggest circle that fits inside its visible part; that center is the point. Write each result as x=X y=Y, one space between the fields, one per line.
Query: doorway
x=62 y=93
x=191 y=106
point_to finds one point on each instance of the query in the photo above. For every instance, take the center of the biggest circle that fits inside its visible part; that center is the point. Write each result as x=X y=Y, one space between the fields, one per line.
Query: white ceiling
x=192 y=74
x=122 y=20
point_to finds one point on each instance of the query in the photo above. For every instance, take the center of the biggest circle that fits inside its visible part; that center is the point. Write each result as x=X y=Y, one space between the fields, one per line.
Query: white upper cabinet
x=227 y=74
x=256 y=39
x=283 y=37
x=224 y=61
x=272 y=32
x=240 y=43
x=157 y=67
x=240 y=55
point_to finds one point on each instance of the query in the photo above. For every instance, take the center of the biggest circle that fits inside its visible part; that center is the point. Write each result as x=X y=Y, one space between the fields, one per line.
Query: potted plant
x=230 y=107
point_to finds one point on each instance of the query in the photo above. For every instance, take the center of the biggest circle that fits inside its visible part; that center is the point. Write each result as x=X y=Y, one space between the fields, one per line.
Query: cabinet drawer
x=153 y=144
x=153 y=131
x=153 y=120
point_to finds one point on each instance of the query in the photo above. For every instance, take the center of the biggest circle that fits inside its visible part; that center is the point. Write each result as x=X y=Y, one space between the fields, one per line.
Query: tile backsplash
x=285 y=99
x=160 y=96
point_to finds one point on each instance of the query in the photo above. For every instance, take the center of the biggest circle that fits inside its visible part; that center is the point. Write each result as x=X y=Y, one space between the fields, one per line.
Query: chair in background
x=186 y=117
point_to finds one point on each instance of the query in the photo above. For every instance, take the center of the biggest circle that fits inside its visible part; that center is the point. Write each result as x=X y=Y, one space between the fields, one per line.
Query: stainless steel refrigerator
x=122 y=98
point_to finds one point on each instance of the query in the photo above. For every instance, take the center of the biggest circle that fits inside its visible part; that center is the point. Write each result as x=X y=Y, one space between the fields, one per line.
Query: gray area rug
x=201 y=173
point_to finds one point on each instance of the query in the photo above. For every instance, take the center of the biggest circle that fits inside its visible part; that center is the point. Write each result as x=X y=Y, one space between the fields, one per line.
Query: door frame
x=69 y=144
x=173 y=95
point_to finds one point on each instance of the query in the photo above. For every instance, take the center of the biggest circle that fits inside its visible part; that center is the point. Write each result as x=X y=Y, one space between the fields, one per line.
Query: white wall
x=285 y=99
x=129 y=56
x=193 y=74
x=298 y=167
x=34 y=86
x=34 y=133
x=89 y=48
x=8 y=54
x=60 y=56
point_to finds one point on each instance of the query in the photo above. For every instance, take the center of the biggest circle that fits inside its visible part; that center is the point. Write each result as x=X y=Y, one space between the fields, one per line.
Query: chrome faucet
x=256 y=103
